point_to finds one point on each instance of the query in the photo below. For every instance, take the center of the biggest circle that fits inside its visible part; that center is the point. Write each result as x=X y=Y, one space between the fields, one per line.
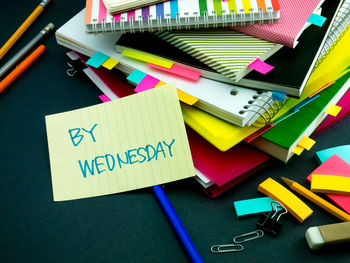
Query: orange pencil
x=23 y=27
x=21 y=67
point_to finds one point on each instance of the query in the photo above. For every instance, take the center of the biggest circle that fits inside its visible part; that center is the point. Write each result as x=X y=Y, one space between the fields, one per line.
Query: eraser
x=328 y=235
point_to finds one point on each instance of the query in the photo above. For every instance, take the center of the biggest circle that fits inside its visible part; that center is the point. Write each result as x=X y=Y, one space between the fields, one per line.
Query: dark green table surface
x=127 y=227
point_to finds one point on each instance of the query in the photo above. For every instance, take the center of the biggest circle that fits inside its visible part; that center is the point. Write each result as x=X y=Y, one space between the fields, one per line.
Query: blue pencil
x=177 y=225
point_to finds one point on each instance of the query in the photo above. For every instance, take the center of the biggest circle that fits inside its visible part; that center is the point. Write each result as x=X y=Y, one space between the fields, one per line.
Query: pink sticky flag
x=146 y=83
x=104 y=98
x=179 y=71
x=260 y=66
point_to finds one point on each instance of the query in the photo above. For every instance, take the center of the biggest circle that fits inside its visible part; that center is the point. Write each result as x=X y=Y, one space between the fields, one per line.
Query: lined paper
x=130 y=143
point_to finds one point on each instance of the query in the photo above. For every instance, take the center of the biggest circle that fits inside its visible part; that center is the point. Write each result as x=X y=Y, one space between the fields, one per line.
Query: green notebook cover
x=286 y=132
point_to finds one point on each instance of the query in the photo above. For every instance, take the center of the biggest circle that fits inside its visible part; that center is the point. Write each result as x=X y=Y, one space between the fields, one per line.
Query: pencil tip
x=287 y=181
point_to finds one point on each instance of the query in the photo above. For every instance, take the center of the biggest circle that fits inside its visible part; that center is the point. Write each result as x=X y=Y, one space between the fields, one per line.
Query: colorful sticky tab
x=333 y=110
x=186 y=98
x=342 y=151
x=110 y=63
x=335 y=166
x=316 y=19
x=298 y=150
x=146 y=83
x=330 y=184
x=147 y=58
x=290 y=201
x=136 y=76
x=279 y=95
x=160 y=83
x=97 y=60
x=306 y=143
x=260 y=66
x=251 y=207
x=104 y=98
x=179 y=71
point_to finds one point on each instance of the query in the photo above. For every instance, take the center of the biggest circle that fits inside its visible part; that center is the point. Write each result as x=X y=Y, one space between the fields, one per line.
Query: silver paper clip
x=226 y=248
x=248 y=236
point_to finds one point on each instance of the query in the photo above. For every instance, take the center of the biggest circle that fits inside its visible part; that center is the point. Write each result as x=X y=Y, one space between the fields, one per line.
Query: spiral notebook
x=340 y=25
x=118 y=6
x=291 y=25
x=181 y=14
x=228 y=52
x=240 y=106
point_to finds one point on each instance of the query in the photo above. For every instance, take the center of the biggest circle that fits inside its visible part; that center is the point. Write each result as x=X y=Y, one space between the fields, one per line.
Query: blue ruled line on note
x=97 y=60
x=136 y=76
x=316 y=19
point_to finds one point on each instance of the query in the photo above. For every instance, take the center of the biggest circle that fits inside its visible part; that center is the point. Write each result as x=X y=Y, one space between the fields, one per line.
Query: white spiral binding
x=339 y=31
x=159 y=23
x=233 y=17
x=131 y=24
x=196 y=20
x=187 y=20
x=215 y=19
x=261 y=15
x=268 y=108
x=177 y=21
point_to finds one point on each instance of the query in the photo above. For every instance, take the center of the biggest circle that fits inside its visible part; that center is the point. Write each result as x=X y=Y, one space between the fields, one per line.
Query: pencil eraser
x=328 y=235
x=314 y=238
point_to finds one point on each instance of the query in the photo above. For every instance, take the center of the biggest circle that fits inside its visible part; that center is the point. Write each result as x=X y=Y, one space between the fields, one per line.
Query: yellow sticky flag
x=110 y=63
x=186 y=98
x=147 y=58
x=333 y=110
x=298 y=150
x=330 y=184
x=306 y=143
x=160 y=83
x=126 y=144
x=290 y=201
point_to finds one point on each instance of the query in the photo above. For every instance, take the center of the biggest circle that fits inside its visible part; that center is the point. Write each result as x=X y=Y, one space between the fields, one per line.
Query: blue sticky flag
x=316 y=19
x=255 y=206
x=279 y=95
x=97 y=60
x=343 y=152
x=136 y=76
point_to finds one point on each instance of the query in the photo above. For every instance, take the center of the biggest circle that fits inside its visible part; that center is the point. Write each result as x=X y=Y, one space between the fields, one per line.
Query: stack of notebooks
x=255 y=78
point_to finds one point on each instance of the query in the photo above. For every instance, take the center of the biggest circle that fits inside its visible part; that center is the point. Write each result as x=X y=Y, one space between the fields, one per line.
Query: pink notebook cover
x=294 y=14
x=335 y=166
x=330 y=120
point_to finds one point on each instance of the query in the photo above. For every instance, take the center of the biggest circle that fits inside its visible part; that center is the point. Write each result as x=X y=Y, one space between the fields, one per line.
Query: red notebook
x=222 y=167
x=335 y=166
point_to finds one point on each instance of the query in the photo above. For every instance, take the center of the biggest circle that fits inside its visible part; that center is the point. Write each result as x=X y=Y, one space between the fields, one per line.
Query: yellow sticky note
x=110 y=63
x=130 y=143
x=306 y=143
x=290 y=201
x=333 y=110
x=186 y=98
x=147 y=58
x=160 y=83
x=330 y=184
x=298 y=150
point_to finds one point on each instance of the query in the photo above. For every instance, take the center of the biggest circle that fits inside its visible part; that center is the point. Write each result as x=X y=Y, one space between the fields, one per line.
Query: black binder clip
x=269 y=222
x=75 y=66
